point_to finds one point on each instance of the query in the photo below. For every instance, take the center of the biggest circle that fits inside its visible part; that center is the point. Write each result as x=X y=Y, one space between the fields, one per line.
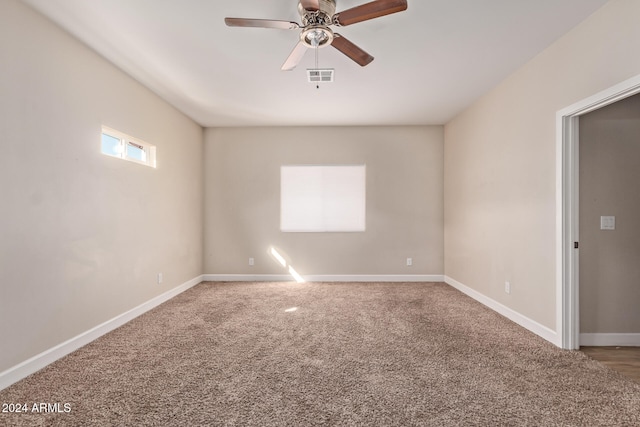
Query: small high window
x=118 y=144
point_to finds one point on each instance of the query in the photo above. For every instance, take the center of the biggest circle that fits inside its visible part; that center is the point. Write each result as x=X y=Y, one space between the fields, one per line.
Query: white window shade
x=322 y=198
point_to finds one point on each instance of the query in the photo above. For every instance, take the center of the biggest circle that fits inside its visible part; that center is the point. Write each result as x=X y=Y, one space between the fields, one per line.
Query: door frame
x=567 y=202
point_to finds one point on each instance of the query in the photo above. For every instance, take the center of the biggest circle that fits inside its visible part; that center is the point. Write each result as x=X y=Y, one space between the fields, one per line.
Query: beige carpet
x=378 y=354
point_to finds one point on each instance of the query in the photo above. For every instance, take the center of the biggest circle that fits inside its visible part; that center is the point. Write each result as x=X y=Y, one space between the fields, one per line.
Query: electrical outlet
x=409 y=262
x=159 y=278
x=507 y=287
x=251 y=261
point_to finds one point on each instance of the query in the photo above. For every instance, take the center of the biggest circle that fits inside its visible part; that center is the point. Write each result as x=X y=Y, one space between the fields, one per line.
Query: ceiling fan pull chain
x=317 y=85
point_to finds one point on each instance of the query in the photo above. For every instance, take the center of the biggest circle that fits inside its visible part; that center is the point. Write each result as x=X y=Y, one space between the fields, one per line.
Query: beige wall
x=83 y=235
x=500 y=162
x=404 y=200
x=610 y=260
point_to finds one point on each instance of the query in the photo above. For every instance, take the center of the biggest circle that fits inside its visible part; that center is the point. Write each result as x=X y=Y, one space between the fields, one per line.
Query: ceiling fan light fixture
x=317 y=36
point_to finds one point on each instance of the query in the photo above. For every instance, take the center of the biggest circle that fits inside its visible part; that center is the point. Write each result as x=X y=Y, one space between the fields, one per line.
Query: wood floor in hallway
x=625 y=360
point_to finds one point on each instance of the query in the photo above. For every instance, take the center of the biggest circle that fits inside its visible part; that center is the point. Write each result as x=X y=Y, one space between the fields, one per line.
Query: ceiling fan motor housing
x=321 y=16
x=316 y=23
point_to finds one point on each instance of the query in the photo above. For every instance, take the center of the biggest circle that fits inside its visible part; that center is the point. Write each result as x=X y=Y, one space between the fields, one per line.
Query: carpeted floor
x=365 y=354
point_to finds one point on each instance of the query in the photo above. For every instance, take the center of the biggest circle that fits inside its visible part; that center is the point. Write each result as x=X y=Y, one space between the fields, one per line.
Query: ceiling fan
x=317 y=16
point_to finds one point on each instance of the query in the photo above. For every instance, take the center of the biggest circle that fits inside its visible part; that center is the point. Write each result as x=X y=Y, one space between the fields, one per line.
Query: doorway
x=567 y=207
x=609 y=225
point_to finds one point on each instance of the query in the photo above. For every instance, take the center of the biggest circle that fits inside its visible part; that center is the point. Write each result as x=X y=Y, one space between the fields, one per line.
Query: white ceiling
x=432 y=61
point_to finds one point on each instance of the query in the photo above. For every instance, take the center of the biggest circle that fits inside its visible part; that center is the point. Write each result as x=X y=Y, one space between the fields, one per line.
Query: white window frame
x=126 y=140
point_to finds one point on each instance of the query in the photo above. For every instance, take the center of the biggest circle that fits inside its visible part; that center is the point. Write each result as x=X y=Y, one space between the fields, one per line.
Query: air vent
x=320 y=75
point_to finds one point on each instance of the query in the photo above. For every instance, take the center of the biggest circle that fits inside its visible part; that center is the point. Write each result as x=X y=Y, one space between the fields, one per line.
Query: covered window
x=322 y=198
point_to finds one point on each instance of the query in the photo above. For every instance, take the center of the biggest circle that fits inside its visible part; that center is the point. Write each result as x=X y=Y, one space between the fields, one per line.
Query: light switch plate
x=607 y=223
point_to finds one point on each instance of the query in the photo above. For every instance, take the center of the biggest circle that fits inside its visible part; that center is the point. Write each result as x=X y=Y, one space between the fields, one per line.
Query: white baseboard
x=324 y=278
x=525 y=322
x=39 y=361
x=247 y=278
x=610 y=340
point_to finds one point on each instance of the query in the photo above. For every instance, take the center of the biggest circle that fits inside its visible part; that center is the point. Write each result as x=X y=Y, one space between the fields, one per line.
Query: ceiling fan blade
x=372 y=10
x=261 y=23
x=296 y=56
x=310 y=4
x=361 y=57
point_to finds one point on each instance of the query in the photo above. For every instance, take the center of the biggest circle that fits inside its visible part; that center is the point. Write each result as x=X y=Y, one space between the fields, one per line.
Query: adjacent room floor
x=625 y=360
